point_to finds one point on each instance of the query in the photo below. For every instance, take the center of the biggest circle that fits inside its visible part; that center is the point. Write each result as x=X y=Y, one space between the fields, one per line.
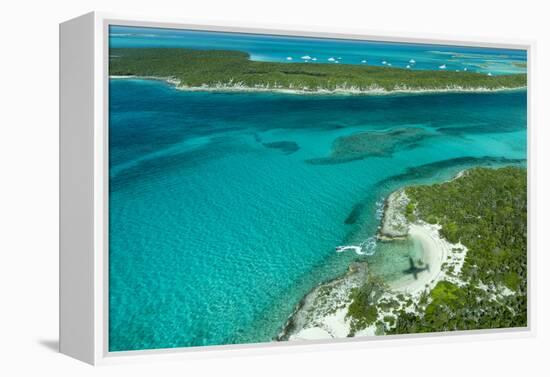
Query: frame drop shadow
x=50 y=344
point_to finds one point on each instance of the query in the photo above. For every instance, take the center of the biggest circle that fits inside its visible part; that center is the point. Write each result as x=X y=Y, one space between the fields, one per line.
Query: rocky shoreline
x=394 y=224
x=325 y=304
x=232 y=87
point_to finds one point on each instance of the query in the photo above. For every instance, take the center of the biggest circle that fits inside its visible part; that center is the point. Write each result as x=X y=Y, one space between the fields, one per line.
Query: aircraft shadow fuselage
x=415 y=270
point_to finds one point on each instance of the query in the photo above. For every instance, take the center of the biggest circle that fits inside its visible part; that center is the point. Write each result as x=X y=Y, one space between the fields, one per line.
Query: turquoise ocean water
x=226 y=208
x=329 y=51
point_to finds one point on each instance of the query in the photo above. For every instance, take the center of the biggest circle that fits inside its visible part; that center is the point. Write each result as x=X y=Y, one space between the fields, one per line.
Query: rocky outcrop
x=322 y=312
x=394 y=221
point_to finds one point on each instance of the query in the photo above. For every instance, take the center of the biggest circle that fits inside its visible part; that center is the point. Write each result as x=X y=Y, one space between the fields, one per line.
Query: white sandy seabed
x=320 y=317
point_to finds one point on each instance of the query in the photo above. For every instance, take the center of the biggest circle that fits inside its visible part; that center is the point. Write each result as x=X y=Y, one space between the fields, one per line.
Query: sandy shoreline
x=435 y=251
x=325 y=319
x=323 y=313
x=374 y=90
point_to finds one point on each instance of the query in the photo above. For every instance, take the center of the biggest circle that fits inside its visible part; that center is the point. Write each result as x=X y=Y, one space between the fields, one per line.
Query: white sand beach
x=435 y=251
x=321 y=321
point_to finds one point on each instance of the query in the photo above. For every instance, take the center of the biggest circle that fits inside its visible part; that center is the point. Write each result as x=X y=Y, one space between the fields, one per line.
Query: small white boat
x=412 y=61
x=384 y=62
x=306 y=57
x=331 y=59
x=489 y=74
x=363 y=61
x=314 y=59
x=465 y=68
x=408 y=66
x=443 y=66
x=389 y=64
x=289 y=58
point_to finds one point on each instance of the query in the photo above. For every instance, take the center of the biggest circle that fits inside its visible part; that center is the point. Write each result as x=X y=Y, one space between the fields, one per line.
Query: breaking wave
x=367 y=247
x=379 y=209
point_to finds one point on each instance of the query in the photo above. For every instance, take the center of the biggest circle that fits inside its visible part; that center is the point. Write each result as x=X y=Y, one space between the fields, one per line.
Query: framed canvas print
x=226 y=188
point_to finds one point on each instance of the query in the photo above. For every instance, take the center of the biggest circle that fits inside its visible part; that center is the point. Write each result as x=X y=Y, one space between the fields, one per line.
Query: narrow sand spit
x=322 y=312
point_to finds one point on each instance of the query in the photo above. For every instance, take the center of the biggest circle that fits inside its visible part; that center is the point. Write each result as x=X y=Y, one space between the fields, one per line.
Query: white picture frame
x=84 y=192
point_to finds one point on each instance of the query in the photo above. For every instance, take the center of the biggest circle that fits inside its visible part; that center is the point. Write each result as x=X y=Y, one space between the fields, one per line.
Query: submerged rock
x=367 y=144
x=287 y=147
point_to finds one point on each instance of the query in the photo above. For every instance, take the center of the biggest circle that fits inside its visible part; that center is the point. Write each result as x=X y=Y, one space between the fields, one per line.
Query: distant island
x=473 y=274
x=234 y=71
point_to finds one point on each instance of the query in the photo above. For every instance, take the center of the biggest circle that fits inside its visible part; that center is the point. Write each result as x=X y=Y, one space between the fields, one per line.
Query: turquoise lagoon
x=226 y=208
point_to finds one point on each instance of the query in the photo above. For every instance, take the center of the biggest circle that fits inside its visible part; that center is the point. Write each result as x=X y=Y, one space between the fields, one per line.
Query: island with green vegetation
x=486 y=211
x=234 y=70
x=474 y=233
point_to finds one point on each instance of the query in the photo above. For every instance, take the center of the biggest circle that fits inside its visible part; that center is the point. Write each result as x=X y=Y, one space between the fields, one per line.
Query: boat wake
x=367 y=247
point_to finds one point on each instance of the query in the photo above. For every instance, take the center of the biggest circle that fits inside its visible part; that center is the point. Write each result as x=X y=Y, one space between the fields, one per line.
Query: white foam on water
x=367 y=247
x=379 y=209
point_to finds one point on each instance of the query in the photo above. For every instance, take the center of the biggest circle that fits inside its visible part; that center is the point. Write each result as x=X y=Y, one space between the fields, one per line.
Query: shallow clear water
x=329 y=51
x=216 y=234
